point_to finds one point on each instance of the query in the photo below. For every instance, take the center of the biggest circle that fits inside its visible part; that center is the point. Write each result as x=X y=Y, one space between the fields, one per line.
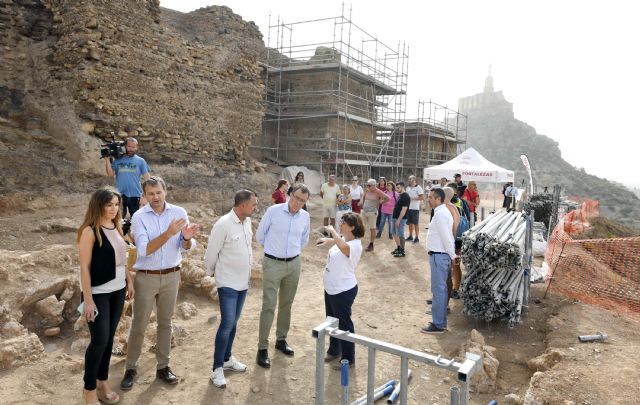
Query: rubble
x=484 y=381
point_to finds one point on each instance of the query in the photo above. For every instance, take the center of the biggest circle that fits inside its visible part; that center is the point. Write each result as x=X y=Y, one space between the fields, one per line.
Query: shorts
x=339 y=215
x=369 y=219
x=329 y=211
x=399 y=230
x=413 y=217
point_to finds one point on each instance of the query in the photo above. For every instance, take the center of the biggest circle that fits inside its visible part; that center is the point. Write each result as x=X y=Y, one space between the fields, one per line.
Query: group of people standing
x=162 y=232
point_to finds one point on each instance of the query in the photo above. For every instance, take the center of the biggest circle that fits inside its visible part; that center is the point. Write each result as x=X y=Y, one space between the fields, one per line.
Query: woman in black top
x=105 y=283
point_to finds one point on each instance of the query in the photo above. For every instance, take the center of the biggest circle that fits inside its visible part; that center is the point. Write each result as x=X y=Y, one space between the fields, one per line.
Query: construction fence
x=601 y=272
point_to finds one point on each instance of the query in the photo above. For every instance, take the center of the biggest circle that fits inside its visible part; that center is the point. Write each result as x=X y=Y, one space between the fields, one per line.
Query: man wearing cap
x=457 y=178
x=284 y=232
x=356 y=194
x=371 y=201
x=441 y=250
x=162 y=232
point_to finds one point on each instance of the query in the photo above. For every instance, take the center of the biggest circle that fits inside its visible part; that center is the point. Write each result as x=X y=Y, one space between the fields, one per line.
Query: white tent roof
x=472 y=166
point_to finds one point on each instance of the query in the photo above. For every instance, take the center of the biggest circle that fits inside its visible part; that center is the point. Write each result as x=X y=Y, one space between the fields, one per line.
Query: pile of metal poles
x=492 y=253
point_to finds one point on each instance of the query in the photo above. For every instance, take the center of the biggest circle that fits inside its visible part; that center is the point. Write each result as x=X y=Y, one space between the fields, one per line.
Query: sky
x=571 y=68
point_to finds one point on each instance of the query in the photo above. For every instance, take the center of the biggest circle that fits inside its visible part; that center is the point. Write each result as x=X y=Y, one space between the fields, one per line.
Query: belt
x=286 y=259
x=431 y=252
x=160 y=272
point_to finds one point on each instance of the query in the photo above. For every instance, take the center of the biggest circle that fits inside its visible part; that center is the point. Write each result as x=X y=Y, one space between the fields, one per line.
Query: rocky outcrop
x=484 y=380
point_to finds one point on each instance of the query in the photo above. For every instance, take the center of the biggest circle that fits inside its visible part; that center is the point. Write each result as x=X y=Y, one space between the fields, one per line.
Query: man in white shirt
x=441 y=250
x=329 y=193
x=229 y=257
x=416 y=193
x=356 y=194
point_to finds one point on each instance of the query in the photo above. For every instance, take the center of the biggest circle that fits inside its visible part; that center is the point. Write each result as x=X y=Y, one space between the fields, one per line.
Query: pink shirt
x=387 y=208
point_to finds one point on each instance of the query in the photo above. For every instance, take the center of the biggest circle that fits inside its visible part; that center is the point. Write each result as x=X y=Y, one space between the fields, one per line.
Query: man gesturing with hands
x=161 y=232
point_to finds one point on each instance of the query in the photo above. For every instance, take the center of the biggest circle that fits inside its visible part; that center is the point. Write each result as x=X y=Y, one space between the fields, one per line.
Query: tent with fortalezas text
x=472 y=166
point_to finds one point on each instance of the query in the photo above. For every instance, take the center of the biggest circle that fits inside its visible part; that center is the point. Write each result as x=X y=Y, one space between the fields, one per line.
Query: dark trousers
x=231 y=302
x=339 y=306
x=130 y=203
x=98 y=354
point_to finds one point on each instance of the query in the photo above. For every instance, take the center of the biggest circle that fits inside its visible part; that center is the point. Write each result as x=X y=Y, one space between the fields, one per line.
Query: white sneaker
x=234 y=365
x=217 y=378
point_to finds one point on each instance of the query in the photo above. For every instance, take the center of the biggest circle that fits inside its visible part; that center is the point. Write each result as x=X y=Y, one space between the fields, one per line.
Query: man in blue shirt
x=284 y=232
x=128 y=170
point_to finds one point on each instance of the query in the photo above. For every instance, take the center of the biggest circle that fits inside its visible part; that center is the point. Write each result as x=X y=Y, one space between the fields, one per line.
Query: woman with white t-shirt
x=340 y=284
x=105 y=284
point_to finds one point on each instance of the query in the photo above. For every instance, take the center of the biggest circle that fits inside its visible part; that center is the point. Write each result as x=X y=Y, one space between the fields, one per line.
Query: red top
x=470 y=195
x=279 y=196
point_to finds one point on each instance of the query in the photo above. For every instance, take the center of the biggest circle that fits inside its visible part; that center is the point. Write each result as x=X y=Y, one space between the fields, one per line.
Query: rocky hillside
x=188 y=86
x=501 y=138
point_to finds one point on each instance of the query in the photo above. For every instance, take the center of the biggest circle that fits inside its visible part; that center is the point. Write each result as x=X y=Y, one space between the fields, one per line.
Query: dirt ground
x=390 y=306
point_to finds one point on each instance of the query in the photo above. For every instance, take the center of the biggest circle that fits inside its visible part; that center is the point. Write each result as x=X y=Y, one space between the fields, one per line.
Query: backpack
x=463 y=226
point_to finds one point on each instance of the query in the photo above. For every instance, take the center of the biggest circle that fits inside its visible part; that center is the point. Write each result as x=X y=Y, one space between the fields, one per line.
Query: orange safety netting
x=602 y=272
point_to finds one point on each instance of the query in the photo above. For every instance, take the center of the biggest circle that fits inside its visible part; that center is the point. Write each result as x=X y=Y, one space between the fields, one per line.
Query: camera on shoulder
x=113 y=149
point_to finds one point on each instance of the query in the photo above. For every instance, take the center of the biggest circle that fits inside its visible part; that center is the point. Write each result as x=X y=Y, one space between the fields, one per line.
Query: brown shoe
x=166 y=375
x=369 y=248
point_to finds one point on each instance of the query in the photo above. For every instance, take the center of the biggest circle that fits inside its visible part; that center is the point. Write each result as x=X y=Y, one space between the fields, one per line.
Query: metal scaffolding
x=335 y=105
x=436 y=136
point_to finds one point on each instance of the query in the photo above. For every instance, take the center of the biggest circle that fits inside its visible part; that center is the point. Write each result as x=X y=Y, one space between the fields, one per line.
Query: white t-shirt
x=340 y=272
x=356 y=192
x=413 y=193
x=329 y=194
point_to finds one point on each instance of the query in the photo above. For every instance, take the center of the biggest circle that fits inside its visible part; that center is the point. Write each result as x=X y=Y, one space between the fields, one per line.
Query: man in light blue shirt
x=161 y=232
x=128 y=170
x=284 y=232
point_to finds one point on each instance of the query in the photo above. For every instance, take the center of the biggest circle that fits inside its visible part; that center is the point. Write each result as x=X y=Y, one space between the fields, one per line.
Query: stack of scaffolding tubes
x=492 y=253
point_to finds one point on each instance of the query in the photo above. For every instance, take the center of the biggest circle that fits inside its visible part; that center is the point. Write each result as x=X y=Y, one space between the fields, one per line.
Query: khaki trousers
x=279 y=286
x=161 y=290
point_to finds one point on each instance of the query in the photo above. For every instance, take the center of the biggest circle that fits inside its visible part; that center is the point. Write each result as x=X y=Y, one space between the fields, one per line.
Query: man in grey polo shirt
x=228 y=257
x=284 y=232
x=161 y=232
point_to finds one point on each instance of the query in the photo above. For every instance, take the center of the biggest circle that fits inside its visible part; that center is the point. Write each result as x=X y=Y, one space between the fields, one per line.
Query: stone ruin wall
x=188 y=86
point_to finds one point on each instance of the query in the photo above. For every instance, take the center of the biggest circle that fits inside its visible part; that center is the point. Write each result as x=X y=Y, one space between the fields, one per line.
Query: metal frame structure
x=435 y=123
x=465 y=369
x=359 y=92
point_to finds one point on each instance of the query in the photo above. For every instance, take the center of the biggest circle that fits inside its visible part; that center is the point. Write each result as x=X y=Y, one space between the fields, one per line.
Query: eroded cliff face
x=188 y=86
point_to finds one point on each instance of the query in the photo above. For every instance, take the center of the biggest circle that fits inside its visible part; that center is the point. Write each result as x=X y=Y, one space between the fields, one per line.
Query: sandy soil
x=390 y=307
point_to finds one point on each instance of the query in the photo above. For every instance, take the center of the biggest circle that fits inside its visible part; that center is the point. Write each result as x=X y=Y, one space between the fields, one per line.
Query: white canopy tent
x=472 y=166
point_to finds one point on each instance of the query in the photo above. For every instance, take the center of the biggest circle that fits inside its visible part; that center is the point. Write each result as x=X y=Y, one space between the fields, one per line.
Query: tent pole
x=495 y=191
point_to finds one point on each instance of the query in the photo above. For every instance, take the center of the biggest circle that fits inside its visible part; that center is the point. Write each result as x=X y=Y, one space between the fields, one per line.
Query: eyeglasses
x=371 y=185
x=300 y=199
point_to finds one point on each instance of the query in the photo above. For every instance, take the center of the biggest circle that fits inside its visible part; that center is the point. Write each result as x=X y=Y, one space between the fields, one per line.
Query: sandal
x=111 y=398
x=87 y=403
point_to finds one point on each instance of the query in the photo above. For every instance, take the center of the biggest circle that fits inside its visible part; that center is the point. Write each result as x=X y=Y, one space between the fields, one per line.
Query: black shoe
x=166 y=375
x=396 y=250
x=399 y=253
x=127 y=381
x=330 y=357
x=263 y=358
x=429 y=301
x=409 y=239
x=378 y=235
x=431 y=328
x=284 y=347
x=455 y=295
x=416 y=240
x=390 y=236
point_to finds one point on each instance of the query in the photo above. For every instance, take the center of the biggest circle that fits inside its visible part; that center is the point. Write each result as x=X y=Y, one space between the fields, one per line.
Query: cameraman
x=127 y=170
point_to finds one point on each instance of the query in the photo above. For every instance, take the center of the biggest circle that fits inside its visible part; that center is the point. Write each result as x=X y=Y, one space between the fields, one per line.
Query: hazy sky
x=571 y=68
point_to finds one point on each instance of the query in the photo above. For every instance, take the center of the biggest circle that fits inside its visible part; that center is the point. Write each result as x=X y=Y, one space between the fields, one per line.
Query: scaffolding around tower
x=335 y=99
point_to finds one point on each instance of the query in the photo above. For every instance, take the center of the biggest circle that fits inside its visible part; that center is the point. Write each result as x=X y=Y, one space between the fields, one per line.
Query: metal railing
x=465 y=369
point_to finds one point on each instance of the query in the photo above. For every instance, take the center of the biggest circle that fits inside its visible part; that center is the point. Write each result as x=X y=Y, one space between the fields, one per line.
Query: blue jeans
x=399 y=231
x=386 y=218
x=231 y=302
x=439 y=264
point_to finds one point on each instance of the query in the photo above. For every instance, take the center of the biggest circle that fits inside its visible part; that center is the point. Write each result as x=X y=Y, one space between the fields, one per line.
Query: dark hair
x=461 y=189
x=152 y=182
x=243 y=196
x=280 y=183
x=439 y=193
x=453 y=186
x=298 y=175
x=302 y=187
x=457 y=175
x=354 y=220
x=400 y=183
